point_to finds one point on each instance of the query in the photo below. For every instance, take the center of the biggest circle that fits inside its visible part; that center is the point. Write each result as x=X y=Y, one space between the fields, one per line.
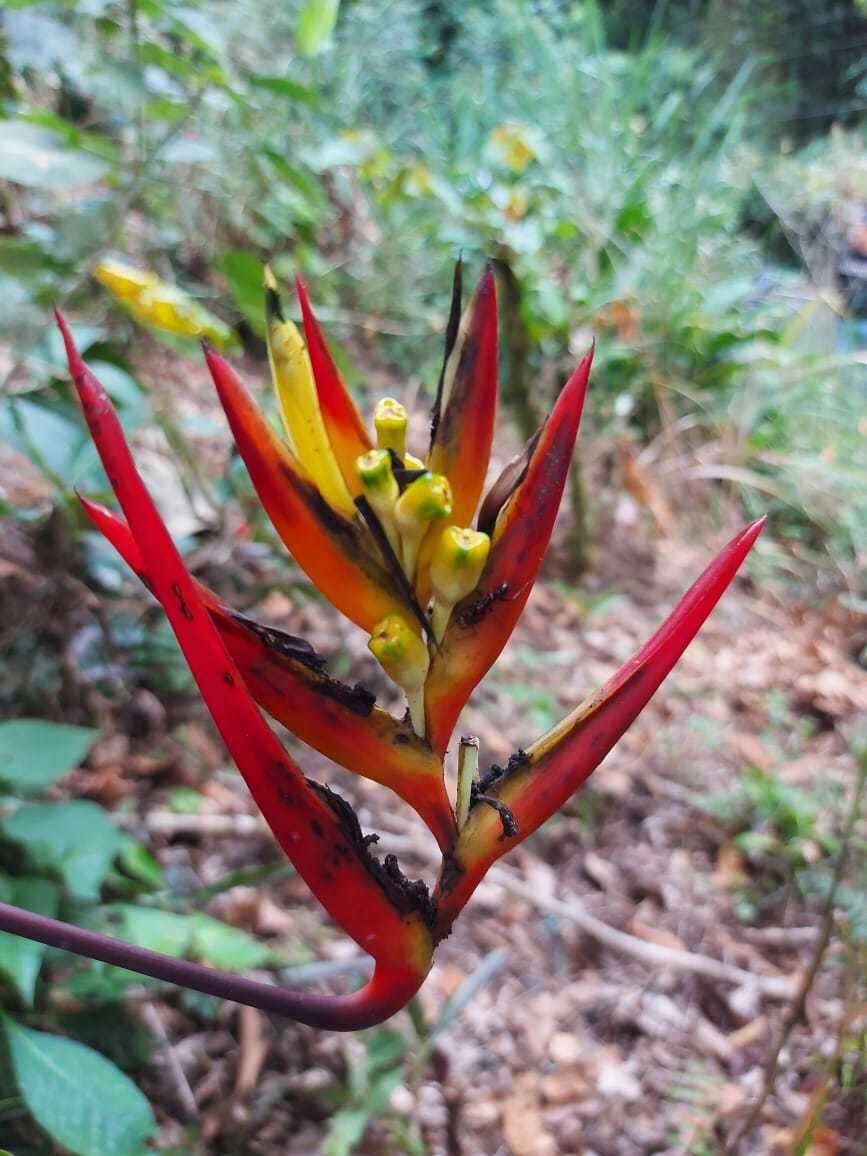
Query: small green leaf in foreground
x=81 y=1100
x=77 y=840
x=34 y=753
x=21 y=959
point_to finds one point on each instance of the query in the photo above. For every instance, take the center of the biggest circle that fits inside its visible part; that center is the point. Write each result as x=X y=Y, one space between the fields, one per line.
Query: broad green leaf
x=138 y=862
x=81 y=1100
x=37 y=158
x=243 y=271
x=316 y=22
x=224 y=946
x=195 y=936
x=283 y=86
x=21 y=959
x=77 y=840
x=163 y=931
x=34 y=753
x=52 y=441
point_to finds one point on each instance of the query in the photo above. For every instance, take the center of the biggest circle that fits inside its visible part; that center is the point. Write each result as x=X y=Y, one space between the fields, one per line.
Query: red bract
x=390 y=540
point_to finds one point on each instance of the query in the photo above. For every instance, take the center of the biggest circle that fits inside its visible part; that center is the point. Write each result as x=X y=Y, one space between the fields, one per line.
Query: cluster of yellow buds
x=414 y=506
x=409 y=501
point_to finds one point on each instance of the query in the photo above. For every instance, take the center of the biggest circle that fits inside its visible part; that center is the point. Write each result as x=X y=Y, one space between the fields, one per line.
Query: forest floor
x=619 y=981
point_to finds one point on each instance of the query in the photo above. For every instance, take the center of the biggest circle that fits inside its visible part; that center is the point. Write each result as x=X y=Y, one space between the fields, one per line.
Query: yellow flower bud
x=381 y=490
x=403 y=655
x=458 y=560
x=427 y=499
x=457 y=563
x=391 y=421
x=412 y=463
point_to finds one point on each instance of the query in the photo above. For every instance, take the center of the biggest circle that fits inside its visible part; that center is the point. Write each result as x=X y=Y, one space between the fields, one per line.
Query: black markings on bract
x=289 y=649
x=184 y=609
x=506 y=484
x=390 y=559
x=510 y=823
x=477 y=610
x=228 y=678
x=282 y=643
x=495 y=772
x=408 y=897
x=452 y=328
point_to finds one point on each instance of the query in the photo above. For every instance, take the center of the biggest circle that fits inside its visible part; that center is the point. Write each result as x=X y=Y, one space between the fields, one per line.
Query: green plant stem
x=796 y=1007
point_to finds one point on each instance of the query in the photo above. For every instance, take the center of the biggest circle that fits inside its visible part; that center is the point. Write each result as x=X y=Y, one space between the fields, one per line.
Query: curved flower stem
x=385 y=993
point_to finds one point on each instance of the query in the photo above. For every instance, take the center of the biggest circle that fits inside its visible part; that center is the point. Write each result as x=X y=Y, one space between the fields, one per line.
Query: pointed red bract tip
x=76 y=364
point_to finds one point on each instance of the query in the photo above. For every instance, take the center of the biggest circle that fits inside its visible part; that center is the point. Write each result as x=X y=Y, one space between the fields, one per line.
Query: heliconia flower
x=408 y=549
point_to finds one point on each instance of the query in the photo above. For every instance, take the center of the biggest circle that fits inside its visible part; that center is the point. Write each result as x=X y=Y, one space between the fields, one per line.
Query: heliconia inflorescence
x=437 y=575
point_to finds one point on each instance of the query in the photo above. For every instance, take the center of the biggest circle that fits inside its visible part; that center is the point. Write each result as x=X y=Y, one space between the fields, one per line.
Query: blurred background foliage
x=681 y=180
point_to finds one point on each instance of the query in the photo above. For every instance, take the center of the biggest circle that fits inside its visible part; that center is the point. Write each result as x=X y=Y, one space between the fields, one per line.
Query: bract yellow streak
x=299 y=409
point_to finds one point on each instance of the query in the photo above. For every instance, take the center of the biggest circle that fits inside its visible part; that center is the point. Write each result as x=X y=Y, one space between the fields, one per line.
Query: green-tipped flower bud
x=428 y=499
x=381 y=490
x=457 y=563
x=404 y=657
x=391 y=421
x=458 y=560
x=376 y=474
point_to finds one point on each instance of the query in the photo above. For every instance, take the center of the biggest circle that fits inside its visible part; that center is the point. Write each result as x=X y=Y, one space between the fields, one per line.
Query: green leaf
x=81 y=1100
x=38 y=158
x=224 y=946
x=195 y=936
x=138 y=862
x=21 y=959
x=77 y=840
x=293 y=90
x=243 y=271
x=316 y=22
x=163 y=931
x=35 y=753
x=53 y=441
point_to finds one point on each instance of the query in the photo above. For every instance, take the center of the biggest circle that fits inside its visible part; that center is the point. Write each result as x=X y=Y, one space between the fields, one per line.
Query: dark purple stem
x=364 y=1008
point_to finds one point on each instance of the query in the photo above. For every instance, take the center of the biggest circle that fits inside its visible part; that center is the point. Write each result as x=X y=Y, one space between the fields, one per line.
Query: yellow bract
x=157 y=304
x=299 y=408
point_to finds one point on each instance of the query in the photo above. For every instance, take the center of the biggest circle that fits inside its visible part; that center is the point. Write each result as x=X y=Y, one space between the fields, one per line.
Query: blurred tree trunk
x=517 y=393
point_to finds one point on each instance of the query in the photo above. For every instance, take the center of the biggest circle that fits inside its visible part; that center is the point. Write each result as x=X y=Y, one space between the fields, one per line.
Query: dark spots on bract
x=481 y=606
x=228 y=678
x=356 y=698
x=182 y=606
x=317 y=829
x=408 y=897
x=508 y=820
x=281 y=643
x=495 y=772
x=451 y=874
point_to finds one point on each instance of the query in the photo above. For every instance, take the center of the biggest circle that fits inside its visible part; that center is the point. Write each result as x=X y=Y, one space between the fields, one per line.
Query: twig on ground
x=203 y=823
x=652 y=954
x=799 y=1000
x=156 y=1027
